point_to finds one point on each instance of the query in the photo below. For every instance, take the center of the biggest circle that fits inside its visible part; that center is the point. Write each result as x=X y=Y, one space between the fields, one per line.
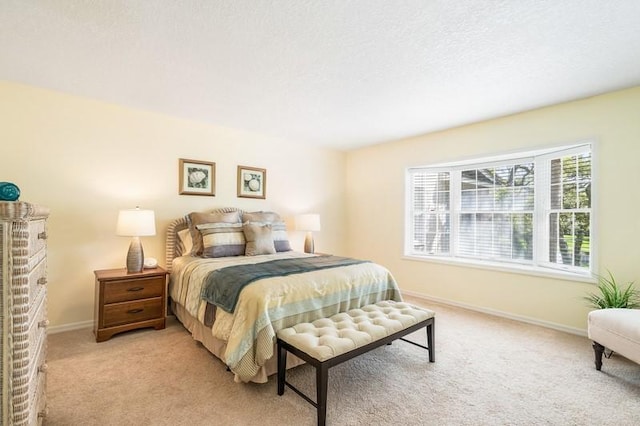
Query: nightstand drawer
x=130 y=312
x=141 y=288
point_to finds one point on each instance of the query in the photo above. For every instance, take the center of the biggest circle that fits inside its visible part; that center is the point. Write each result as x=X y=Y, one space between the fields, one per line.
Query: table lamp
x=308 y=223
x=136 y=223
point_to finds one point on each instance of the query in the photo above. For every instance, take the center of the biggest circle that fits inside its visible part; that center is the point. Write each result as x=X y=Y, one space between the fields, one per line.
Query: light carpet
x=488 y=371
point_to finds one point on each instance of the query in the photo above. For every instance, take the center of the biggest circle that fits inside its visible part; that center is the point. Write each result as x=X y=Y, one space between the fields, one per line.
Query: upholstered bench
x=616 y=329
x=330 y=341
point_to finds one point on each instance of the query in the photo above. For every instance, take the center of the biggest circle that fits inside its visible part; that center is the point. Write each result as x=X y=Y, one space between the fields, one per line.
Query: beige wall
x=375 y=206
x=85 y=160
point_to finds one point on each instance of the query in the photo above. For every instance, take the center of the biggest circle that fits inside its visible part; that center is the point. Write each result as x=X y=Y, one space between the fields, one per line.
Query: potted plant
x=613 y=295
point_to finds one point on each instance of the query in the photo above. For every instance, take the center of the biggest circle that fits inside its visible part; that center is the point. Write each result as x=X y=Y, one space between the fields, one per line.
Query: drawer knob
x=135 y=289
x=42 y=280
x=43 y=368
x=42 y=236
x=43 y=324
x=135 y=311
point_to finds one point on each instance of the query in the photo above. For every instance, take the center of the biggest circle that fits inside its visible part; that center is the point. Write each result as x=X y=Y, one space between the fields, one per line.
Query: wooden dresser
x=23 y=312
x=126 y=302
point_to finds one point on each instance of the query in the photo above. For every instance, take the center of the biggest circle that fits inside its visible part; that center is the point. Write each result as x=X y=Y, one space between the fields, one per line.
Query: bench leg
x=430 y=342
x=282 y=367
x=598 y=350
x=322 y=378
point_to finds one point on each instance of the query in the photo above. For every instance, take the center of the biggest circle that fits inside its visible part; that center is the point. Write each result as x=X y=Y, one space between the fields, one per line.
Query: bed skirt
x=202 y=334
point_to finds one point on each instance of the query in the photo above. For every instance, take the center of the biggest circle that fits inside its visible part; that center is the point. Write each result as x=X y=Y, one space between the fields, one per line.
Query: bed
x=228 y=240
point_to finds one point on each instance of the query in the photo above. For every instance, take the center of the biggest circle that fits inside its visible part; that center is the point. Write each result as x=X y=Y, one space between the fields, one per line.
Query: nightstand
x=125 y=302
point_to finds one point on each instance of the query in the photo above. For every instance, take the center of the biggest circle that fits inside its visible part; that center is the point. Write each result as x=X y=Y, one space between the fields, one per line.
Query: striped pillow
x=194 y=219
x=222 y=239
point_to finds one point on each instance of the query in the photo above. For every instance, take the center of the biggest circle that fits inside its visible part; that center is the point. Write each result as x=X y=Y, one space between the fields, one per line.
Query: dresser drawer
x=37 y=392
x=39 y=412
x=37 y=281
x=27 y=388
x=38 y=330
x=141 y=288
x=130 y=312
x=28 y=342
x=27 y=345
x=37 y=235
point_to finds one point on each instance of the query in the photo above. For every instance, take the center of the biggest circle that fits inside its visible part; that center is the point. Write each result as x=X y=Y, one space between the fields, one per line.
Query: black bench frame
x=322 y=367
x=598 y=350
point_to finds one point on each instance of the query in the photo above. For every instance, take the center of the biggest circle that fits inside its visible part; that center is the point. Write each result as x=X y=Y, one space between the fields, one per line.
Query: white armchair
x=617 y=330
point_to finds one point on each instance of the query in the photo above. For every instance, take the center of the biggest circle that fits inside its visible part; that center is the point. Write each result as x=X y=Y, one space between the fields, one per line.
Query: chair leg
x=430 y=342
x=322 y=373
x=598 y=350
x=282 y=367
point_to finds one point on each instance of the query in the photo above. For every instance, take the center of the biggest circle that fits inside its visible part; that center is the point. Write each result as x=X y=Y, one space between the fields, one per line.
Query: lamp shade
x=308 y=222
x=136 y=223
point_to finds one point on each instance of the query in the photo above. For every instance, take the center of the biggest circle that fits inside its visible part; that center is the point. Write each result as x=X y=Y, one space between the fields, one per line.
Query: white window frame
x=540 y=264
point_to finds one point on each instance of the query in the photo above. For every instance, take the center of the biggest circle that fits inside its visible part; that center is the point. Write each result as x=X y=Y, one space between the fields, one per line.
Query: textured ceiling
x=335 y=73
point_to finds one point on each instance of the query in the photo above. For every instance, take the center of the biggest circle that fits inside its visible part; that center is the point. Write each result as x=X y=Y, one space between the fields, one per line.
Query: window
x=532 y=210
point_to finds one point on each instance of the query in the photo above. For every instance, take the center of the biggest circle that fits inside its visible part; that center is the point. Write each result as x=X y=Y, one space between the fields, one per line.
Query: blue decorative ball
x=9 y=191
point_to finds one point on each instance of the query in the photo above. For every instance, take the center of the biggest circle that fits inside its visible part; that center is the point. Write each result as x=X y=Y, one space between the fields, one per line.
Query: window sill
x=516 y=269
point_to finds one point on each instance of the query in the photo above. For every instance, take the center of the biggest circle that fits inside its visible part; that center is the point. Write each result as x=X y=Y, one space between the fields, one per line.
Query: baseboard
x=68 y=327
x=521 y=318
x=79 y=325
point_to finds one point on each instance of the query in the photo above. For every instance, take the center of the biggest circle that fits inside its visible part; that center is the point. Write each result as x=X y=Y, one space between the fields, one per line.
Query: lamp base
x=135 y=256
x=308 y=243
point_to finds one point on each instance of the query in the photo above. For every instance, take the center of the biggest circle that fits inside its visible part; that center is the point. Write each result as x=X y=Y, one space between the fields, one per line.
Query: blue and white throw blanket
x=223 y=286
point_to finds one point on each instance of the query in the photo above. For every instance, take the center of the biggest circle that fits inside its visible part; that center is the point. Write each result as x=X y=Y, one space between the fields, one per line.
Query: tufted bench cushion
x=328 y=337
x=616 y=329
x=330 y=341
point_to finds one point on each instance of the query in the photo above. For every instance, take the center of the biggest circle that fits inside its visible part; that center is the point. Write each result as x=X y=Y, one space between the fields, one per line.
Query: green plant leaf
x=612 y=295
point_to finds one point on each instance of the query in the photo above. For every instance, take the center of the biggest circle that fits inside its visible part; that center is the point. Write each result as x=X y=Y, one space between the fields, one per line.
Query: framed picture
x=197 y=177
x=252 y=182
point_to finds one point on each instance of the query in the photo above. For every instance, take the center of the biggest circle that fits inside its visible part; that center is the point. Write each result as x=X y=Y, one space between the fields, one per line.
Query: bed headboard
x=173 y=247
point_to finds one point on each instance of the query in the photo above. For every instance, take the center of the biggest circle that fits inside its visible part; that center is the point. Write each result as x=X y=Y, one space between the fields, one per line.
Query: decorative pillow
x=278 y=227
x=222 y=239
x=194 y=219
x=185 y=241
x=259 y=239
x=264 y=217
